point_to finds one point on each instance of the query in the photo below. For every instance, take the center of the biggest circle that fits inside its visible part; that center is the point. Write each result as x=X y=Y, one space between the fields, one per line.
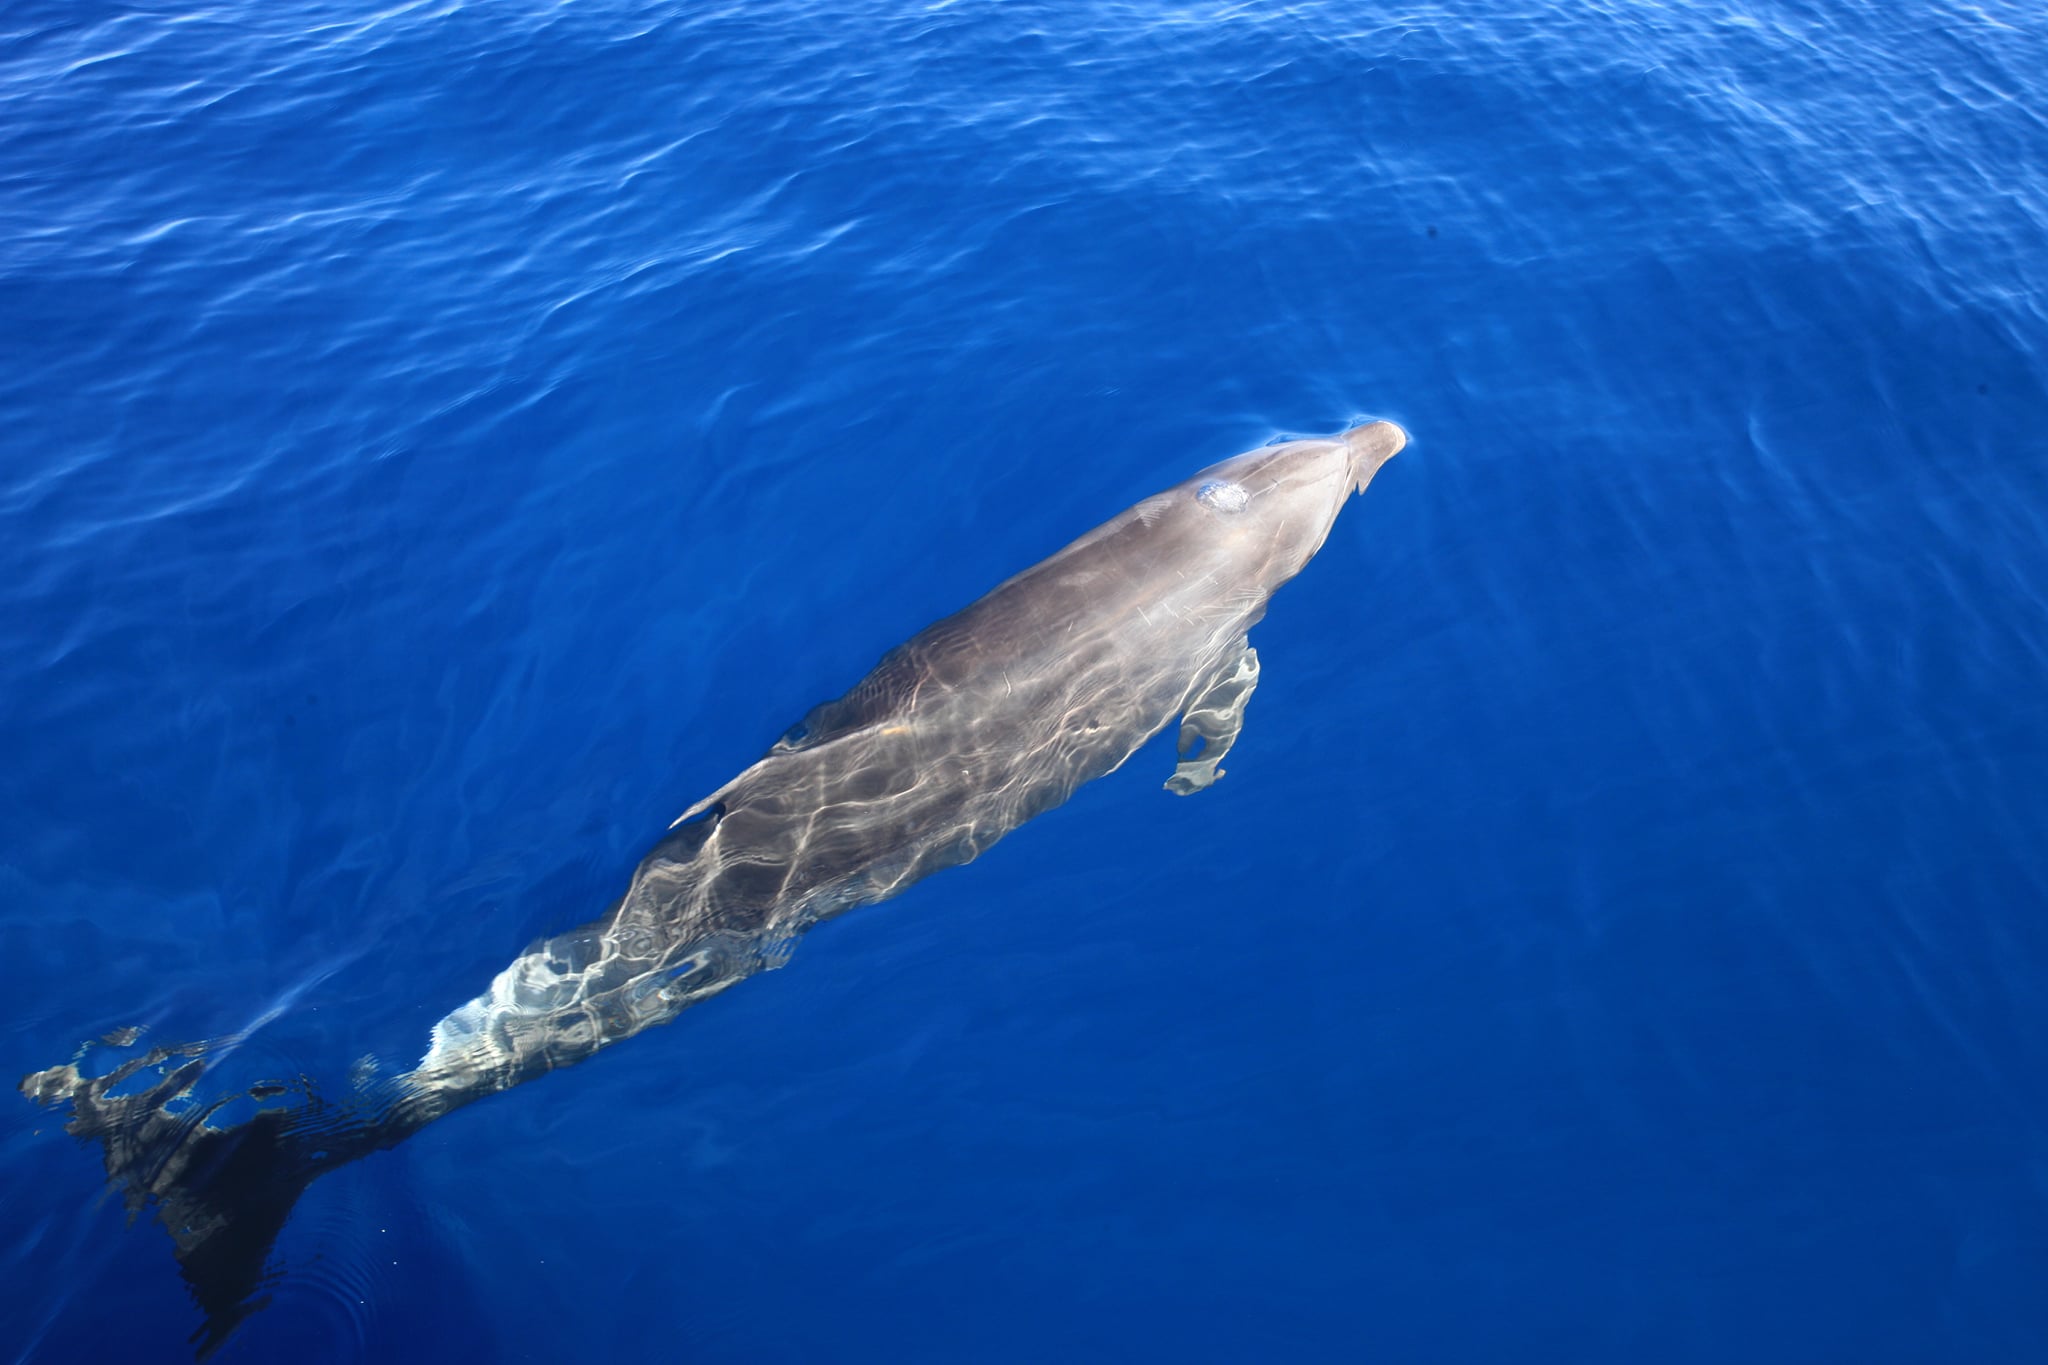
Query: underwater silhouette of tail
x=223 y=1194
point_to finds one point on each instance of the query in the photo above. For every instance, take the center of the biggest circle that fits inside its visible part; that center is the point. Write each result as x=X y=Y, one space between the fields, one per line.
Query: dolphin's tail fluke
x=222 y=1193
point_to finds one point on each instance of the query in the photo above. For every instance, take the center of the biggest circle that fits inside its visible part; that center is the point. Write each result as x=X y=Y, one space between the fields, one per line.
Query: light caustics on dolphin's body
x=975 y=725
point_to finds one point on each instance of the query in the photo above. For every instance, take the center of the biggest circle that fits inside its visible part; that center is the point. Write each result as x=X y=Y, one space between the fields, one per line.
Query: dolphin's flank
x=956 y=737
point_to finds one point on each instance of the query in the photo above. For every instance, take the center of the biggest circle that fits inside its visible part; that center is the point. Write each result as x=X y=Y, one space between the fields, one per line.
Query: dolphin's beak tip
x=1379 y=438
x=1372 y=445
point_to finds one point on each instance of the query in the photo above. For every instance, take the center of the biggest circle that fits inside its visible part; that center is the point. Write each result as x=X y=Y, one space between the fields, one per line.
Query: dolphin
x=973 y=726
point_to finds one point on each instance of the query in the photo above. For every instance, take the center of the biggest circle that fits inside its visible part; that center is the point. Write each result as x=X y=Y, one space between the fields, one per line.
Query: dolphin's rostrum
x=975 y=725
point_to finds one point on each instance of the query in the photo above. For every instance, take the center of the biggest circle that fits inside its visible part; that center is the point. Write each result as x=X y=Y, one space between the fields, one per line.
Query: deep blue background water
x=439 y=442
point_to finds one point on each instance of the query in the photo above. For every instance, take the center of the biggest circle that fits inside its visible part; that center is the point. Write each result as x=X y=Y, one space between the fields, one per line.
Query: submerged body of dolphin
x=975 y=725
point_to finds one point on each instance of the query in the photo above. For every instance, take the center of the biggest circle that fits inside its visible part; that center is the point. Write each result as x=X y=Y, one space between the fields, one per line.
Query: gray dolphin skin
x=972 y=727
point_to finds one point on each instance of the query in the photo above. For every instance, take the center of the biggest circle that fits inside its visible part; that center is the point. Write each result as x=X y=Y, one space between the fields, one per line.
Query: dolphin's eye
x=1221 y=495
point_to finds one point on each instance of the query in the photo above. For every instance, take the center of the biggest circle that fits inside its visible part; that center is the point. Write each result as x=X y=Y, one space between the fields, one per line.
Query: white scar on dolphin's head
x=956 y=737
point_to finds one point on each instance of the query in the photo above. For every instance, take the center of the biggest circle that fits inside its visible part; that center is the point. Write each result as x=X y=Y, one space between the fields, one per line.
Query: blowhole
x=1221 y=495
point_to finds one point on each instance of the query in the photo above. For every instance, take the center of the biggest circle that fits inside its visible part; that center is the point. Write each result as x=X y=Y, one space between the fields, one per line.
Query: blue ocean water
x=439 y=442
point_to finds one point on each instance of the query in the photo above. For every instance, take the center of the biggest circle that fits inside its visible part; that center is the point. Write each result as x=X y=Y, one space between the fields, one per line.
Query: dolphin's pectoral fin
x=1210 y=724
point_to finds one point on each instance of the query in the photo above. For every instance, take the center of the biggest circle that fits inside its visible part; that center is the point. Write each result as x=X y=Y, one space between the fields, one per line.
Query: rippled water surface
x=439 y=442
